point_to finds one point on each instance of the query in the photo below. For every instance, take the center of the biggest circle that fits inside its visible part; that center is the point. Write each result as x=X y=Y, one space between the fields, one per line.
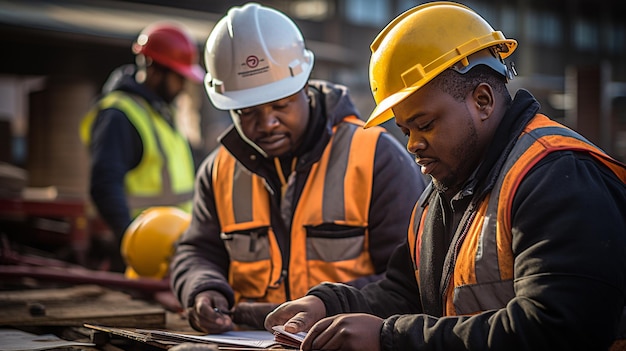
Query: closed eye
x=425 y=126
x=248 y=114
x=280 y=106
x=405 y=132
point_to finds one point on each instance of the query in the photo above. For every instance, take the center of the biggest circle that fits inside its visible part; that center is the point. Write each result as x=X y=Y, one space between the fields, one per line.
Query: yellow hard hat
x=423 y=42
x=148 y=242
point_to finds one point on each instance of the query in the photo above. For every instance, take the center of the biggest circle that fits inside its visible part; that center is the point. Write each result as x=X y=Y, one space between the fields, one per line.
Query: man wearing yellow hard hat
x=520 y=241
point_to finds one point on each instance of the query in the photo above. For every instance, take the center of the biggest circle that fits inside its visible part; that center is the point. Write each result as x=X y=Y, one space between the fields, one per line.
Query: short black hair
x=459 y=85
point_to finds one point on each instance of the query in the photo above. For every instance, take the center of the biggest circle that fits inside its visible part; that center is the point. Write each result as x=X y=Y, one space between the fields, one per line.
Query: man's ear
x=484 y=100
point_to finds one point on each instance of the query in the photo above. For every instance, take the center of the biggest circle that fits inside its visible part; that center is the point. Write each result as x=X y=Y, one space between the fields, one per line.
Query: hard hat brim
x=195 y=73
x=233 y=100
x=382 y=112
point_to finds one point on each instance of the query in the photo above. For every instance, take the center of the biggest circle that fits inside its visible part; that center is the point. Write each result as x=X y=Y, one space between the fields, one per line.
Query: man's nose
x=415 y=144
x=268 y=119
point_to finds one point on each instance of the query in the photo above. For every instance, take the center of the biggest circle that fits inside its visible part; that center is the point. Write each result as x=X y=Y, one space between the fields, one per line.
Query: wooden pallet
x=76 y=306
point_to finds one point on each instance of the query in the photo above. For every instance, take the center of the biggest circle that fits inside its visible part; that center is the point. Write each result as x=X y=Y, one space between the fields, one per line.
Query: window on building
x=615 y=37
x=585 y=35
x=543 y=28
x=314 y=10
x=367 y=12
x=508 y=22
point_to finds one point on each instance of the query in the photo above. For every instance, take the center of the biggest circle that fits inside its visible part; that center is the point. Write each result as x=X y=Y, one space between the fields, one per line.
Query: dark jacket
x=201 y=261
x=116 y=148
x=569 y=246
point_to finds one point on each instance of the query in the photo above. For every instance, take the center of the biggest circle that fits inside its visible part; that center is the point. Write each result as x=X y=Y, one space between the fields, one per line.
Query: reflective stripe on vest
x=154 y=181
x=483 y=271
x=329 y=235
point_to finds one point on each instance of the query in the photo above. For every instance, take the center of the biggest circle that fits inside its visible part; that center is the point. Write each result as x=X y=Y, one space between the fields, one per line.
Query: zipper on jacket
x=457 y=245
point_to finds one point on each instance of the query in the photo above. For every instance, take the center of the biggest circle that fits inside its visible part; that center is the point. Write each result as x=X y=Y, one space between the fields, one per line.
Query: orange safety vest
x=337 y=192
x=483 y=270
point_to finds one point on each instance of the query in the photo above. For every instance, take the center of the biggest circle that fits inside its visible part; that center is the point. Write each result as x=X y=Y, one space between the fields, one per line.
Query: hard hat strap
x=237 y=123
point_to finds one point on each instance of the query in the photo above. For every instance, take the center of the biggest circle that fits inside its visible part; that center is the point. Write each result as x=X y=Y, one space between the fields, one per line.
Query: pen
x=226 y=312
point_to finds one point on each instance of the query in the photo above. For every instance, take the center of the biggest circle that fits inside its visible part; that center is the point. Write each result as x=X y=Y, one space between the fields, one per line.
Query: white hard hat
x=255 y=55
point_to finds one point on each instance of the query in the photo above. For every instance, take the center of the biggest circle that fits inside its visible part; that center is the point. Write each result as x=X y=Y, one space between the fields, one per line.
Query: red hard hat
x=170 y=45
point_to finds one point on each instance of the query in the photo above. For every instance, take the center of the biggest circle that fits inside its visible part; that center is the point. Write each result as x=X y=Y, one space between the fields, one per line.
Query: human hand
x=297 y=315
x=252 y=314
x=204 y=317
x=354 y=331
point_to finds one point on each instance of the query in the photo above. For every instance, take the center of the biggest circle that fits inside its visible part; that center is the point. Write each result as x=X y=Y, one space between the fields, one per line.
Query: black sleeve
x=115 y=149
x=200 y=261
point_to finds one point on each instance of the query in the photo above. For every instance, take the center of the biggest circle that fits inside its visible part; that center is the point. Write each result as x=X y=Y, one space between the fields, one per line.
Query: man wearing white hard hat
x=298 y=192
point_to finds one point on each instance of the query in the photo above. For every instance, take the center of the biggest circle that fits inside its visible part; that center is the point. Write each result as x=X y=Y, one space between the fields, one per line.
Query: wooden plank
x=76 y=306
x=46 y=295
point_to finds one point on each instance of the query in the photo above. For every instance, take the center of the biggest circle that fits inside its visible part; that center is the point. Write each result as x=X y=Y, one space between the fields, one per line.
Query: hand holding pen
x=221 y=311
x=210 y=313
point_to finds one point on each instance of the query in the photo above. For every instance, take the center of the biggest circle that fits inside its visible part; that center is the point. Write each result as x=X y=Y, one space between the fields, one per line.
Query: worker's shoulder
x=120 y=99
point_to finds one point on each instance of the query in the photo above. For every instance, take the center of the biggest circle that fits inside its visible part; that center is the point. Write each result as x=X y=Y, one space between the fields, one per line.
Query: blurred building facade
x=58 y=53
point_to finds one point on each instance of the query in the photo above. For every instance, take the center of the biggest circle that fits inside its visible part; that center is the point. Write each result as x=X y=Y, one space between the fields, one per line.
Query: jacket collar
x=330 y=103
x=522 y=109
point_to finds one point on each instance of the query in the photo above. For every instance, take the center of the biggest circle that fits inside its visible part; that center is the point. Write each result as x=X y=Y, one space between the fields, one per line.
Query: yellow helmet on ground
x=148 y=242
x=423 y=42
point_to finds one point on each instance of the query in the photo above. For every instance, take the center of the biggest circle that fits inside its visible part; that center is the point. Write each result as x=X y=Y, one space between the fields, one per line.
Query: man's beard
x=439 y=187
x=164 y=92
x=453 y=183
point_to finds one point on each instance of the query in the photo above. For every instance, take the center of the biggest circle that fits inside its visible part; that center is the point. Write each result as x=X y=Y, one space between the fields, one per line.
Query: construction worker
x=520 y=242
x=138 y=157
x=297 y=193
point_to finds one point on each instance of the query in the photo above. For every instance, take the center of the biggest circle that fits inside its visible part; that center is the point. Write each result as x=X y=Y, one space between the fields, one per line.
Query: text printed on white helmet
x=252 y=62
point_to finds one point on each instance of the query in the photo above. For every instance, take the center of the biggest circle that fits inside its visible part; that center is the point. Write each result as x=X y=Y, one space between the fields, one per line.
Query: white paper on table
x=251 y=338
x=17 y=340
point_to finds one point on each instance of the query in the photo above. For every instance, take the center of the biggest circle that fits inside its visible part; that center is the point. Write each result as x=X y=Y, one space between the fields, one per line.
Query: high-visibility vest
x=337 y=194
x=165 y=174
x=483 y=271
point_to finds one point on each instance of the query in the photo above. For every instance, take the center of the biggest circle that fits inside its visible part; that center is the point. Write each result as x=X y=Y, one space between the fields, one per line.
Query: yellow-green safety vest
x=165 y=174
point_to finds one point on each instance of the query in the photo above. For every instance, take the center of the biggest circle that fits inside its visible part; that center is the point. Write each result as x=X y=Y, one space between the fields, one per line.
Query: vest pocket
x=332 y=243
x=474 y=298
x=250 y=267
x=247 y=245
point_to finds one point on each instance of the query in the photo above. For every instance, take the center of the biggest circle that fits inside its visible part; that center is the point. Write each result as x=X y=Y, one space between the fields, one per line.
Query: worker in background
x=138 y=157
x=520 y=242
x=297 y=193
